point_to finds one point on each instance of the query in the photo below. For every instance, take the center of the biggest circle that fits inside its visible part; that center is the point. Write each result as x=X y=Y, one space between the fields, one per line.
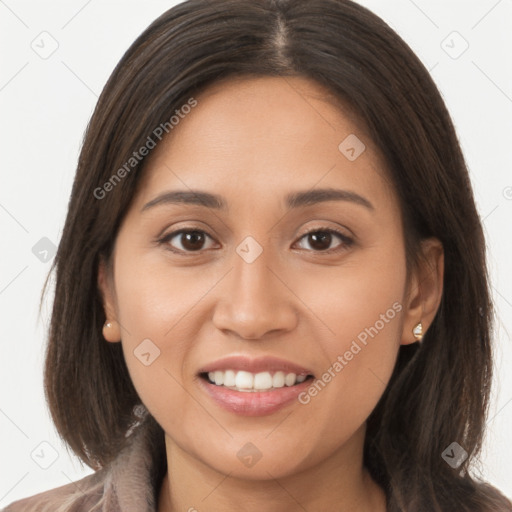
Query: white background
x=46 y=103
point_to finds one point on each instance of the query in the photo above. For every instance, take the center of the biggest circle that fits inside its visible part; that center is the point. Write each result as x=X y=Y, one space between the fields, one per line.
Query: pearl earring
x=418 y=331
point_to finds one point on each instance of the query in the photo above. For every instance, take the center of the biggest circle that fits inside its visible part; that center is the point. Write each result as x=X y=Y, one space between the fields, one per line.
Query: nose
x=255 y=301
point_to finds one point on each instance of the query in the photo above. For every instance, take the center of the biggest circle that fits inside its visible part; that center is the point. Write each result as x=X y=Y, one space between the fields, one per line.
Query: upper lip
x=255 y=365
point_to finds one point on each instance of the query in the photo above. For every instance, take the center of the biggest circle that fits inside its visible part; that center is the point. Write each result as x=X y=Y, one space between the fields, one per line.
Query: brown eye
x=190 y=240
x=320 y=240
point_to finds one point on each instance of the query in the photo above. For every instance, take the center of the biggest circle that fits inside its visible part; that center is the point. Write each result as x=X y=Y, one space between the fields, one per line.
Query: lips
x=254 y=386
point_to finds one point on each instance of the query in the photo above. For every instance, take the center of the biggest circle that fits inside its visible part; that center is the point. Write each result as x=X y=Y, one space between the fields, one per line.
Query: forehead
x=261 y=135
x=267 y=106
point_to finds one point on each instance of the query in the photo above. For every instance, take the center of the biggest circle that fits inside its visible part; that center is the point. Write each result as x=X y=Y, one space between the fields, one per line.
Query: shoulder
x=74 y=497
x=128 y=482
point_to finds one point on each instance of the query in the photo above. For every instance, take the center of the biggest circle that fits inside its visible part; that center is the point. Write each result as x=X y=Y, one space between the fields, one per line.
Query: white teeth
x=278 y=380
x=229 y=378
x=244 y=380
x=263 y=380
x=289 y=380
x=247 y=381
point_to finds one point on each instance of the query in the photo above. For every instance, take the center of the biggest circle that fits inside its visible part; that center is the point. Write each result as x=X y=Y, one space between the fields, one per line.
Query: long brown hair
x=439 y=391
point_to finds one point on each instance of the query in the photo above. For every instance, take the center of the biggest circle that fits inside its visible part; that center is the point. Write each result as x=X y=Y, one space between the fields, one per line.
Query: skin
x=253 y=141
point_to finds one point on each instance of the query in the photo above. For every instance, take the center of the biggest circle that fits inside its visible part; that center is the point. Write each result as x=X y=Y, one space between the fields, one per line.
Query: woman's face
x=245 y=281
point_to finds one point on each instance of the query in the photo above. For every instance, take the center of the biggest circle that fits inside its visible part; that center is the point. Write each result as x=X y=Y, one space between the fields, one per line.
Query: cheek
x=154 y=298
x=359 y=310
x=155 y=304
x=359 y=299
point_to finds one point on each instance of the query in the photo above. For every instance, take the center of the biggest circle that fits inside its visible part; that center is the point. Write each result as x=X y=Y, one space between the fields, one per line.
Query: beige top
x=130 y=484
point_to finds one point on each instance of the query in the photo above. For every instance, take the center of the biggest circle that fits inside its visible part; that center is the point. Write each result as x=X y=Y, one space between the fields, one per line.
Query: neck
x=339 y=482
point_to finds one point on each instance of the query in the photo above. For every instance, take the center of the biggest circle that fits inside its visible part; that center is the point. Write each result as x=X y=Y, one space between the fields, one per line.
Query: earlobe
x=425 y=292
x=111 y=328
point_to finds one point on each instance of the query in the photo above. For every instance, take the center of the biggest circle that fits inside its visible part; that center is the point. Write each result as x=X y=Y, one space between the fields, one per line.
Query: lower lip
x=259 y=403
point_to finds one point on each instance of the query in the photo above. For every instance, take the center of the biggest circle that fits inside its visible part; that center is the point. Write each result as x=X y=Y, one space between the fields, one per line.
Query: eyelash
x=347 y=242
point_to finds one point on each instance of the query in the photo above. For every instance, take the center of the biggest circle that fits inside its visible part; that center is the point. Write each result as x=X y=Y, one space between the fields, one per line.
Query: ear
x=111 y=333
x=425 y=289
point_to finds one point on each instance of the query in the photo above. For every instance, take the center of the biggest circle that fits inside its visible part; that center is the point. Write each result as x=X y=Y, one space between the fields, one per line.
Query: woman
x=271 y=286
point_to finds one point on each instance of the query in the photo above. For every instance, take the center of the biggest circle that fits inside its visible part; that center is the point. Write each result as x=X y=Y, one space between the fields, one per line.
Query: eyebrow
x=292 y=200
